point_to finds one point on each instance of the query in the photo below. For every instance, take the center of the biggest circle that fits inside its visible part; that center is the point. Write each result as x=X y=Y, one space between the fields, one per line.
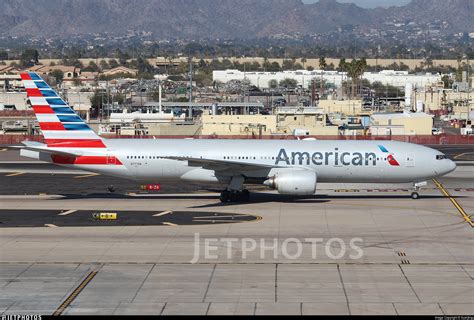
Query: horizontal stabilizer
x=40 y=147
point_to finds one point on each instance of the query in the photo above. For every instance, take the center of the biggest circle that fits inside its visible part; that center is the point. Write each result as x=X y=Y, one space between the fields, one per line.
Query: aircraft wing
x=222 y=166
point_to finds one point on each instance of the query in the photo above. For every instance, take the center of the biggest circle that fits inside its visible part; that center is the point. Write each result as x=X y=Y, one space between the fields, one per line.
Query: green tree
x=3 y=55
x=29 y=58
x=58 y=75
x=288 y=83
x=104 y=65
x=303 y=61
x=273 y=84
x=274 y=67
x=342 y=65
x=92 y=67
x=203 y=79
x=100 y=98
x=288 y=64
x=113 y=64
x=322 y=63
x=448 y=82
x=355 y=69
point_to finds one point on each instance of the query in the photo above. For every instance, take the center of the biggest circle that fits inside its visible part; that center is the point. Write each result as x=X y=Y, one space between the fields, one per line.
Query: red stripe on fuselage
x=74 y=143
x=43 y=110
x=34 y=93
x=25 y=76
x=86 y=160
x=57 y=126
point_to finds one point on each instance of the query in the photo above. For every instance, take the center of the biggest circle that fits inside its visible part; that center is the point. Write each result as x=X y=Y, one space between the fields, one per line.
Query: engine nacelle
x=293 y=182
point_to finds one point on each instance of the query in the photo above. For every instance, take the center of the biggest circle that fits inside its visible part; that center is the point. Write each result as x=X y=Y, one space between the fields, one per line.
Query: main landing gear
x=235 y=192
x=235 y=196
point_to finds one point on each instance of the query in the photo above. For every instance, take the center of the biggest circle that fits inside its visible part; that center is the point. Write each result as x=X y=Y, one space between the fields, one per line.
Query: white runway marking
x=162 y=213
x=50 y=225
x=67 y=212
x=170 y=224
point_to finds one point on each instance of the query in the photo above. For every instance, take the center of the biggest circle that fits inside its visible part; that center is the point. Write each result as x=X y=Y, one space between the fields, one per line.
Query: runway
x=417 y=255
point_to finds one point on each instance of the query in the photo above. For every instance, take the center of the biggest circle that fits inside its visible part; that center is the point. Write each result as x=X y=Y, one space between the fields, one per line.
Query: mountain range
x=217 y=19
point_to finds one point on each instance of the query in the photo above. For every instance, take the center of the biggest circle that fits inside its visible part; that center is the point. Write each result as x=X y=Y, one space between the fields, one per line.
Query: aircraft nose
x=451 y=166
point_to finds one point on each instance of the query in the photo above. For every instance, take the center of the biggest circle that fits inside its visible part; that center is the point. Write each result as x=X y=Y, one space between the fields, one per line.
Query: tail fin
x=61 y=126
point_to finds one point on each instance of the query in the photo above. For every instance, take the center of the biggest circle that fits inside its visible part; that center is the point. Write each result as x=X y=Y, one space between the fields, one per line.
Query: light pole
x=468 y=90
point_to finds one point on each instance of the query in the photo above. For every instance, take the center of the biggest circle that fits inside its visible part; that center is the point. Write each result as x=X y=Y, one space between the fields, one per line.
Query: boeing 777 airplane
x=290 y=167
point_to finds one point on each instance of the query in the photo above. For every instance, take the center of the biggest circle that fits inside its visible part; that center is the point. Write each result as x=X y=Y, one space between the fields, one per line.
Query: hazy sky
x=371 y=3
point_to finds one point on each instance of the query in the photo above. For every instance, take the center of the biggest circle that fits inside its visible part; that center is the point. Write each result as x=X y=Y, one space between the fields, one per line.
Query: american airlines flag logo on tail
x=61 y=126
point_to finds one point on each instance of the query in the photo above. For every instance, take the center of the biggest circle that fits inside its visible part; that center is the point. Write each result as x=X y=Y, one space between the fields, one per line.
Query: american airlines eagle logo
x=390 y=158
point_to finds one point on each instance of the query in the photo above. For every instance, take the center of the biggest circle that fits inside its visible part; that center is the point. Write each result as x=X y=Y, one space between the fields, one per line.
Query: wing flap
x=222 y=165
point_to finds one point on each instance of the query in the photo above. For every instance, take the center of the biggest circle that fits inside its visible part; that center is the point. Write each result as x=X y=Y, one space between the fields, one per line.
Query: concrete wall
x=419 y=124
x=347 y=107
x=238 y=124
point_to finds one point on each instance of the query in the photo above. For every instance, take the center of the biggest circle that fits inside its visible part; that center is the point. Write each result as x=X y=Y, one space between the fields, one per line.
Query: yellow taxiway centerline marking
x=74 y=294
x=14 y=174
x=67 y=212
x=454 y=202
x=87 y=176
x=170 y=224
x=162 y=213
x=462 y=154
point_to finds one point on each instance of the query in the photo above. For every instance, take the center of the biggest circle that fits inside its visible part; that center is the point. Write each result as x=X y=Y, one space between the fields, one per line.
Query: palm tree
x=322 y=66
x=342 y=65
x=303 y=62
x=322 y=63
x=355 y=69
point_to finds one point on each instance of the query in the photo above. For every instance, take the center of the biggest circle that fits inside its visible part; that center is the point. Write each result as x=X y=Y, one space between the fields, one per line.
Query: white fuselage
x=146 y=160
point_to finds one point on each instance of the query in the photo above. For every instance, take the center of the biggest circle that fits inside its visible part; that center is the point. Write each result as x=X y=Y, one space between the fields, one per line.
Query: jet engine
x=293 y=182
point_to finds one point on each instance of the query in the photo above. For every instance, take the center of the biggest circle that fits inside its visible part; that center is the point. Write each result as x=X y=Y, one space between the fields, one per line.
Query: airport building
x=406 y=123
x=335 y=78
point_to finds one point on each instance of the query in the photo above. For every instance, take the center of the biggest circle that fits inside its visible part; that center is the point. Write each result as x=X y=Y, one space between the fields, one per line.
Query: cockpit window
x=441 y=157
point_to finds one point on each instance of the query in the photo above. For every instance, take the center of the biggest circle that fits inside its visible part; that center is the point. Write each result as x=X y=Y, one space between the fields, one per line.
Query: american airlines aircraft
x=290 y=167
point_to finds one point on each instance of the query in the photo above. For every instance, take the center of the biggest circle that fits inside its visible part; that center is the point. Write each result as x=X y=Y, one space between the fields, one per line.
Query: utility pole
x=468 y=90
x=190 y=109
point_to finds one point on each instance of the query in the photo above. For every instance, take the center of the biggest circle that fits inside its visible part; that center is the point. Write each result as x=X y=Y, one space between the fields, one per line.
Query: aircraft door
x=410 y=160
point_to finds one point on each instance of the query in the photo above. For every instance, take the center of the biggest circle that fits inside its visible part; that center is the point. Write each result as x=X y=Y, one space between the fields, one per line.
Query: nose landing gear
x=415 y=195
x=416 y=187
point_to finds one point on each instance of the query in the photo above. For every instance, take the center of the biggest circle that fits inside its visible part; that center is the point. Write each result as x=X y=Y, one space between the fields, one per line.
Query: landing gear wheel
x=225 y=196
x=245 y=196
x=111 y=189
x=415 y=195
x=234 y=196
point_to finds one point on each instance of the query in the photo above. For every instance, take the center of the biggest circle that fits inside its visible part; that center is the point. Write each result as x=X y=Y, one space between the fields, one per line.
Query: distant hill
x=216 y=18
